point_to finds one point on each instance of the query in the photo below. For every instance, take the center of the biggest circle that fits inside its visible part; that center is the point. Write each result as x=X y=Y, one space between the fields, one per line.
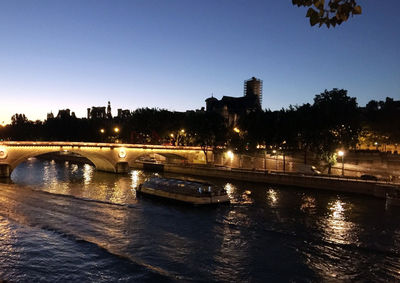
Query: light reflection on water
x=336 y=227
x=308 y=205
x=87 y=174
x=272 y=197
x=266 y=234
x=230 y=190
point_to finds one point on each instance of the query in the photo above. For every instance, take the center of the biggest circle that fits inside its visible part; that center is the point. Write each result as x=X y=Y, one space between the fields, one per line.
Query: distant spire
x=109 y=116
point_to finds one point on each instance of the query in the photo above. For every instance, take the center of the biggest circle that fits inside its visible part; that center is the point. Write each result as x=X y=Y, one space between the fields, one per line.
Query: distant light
x=122 y=153
x=236 y=130
x=3 y=152
x=182 y=131
x=172 y=135
x=274 y=151
x=116 y=129
x=102 y=131
x=230 y=154
x=375 y=143
x=340 y=153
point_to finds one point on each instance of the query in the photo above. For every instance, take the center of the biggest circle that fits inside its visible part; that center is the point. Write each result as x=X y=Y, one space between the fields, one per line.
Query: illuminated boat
x=185 y=191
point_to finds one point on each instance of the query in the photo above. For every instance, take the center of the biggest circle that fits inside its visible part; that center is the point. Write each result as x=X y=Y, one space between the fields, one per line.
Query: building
x=124 y=114
x=65 y=113
x=231 y=108
x=253 y=87
x=50 y=115
x=99 y=112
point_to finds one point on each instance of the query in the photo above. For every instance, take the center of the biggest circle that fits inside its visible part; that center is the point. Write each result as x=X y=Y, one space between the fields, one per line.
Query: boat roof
x=178 y=180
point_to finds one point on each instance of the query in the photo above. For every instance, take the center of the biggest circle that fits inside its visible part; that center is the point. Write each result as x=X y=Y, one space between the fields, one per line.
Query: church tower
x=109 y=116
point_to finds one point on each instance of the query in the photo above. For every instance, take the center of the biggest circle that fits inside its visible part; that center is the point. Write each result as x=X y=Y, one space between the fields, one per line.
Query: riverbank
x=348 y=185
x=318 y=182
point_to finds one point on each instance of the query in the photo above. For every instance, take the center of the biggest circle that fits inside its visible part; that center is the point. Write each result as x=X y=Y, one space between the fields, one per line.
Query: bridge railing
x=95 y=144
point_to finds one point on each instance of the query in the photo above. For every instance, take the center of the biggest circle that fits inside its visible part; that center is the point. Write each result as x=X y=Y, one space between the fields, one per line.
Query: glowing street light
x=102 y=131
x=236 y=130
x=341 y=154
x=230 y=154
x=116 y=129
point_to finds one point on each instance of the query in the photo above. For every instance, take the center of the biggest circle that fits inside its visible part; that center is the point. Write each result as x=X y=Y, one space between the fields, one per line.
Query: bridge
x=109 y=157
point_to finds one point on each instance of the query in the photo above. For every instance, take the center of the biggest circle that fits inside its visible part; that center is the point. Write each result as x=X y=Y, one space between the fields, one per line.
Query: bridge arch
x=105 y=156
x=100 y=162
x=158 y=156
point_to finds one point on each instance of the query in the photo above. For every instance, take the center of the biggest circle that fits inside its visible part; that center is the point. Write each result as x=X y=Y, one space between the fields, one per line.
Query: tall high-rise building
x=253 y=87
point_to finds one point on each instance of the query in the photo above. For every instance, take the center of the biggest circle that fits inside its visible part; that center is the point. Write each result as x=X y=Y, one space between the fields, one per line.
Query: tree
x=19 y=119
x=333 y=13
x=336 y=123
x=207 y=129
x=381 y=123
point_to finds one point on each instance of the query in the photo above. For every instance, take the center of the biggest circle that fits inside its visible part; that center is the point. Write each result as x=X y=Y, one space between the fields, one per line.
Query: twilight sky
x=174 y=53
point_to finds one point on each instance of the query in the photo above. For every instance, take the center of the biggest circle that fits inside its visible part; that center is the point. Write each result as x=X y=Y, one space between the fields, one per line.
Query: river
x=61 y=221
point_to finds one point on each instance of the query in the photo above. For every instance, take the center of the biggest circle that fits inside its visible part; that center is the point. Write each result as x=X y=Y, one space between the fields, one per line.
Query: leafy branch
x=333 y=13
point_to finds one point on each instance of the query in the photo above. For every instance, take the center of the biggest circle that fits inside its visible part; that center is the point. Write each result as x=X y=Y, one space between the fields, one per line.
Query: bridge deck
x=94 y=144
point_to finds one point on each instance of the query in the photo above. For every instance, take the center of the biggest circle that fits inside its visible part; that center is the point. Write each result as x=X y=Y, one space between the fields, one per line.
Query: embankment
x=372 y=188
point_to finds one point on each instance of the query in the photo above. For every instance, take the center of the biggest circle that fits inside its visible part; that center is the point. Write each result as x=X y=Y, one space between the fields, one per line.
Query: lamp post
x=230 y=156
x=276 y=159
x=102 y=131
x=117 y=131
x=341 y=154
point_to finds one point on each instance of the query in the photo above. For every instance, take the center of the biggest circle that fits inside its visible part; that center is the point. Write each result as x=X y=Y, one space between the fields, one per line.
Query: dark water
x=67 y=222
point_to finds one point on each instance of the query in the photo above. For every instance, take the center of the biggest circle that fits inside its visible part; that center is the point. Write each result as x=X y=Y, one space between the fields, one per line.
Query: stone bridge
x=109 y=157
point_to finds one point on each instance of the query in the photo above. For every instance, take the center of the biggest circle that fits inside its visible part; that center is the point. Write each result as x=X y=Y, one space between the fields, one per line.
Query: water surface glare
x=61 y=221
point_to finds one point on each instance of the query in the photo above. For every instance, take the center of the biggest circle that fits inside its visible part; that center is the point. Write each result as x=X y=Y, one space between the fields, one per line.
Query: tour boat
x=192 y=192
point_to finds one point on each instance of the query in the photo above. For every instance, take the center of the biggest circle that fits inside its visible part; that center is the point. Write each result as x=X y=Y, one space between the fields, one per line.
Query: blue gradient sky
x=174 y=53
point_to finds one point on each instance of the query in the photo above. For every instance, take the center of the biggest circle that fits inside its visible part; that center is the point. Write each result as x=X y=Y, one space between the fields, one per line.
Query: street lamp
x=116 y=129
x=276 y=159
x=102 y=131
x=230 y=156
x=341 y=154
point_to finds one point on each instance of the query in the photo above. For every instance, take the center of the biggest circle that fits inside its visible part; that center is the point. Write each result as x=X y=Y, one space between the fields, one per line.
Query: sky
x=173 y=54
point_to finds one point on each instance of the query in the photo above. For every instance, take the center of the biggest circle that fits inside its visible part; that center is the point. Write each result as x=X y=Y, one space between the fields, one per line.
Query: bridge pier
x=122 y=167
x=5 y=171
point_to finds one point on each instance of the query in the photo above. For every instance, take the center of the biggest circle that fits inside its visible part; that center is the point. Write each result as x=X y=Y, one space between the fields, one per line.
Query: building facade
x=231 y=108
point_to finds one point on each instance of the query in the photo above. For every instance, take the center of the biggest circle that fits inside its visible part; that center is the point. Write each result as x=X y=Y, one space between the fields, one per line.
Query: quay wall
x=371 y=188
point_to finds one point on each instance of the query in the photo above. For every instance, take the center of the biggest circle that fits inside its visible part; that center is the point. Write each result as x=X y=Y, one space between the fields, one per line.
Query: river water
x=61 y=221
